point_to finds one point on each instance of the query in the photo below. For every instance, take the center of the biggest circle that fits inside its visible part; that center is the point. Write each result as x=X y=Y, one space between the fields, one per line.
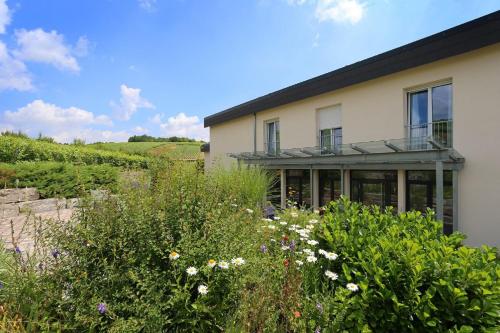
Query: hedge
x=16 y=149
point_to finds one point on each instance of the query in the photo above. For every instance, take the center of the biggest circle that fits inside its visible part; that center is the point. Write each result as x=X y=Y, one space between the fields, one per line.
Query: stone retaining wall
x=19 y=208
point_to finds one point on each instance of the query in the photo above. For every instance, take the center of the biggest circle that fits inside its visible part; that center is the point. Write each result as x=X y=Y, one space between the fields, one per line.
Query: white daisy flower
x=331 y=255
x=283 y=223
x=299 y=262
x=284 y=248
x=352 y=287
x=312 y=242
x=310 y=227
x=293 y=214
x=277 y=218
x=316 y=211
x=238 y=261
x=273 y=240
x=267 y=220
x=311 y=259
x=249 y=211
x=211 y=263
x=308 y=252
x=272 y=227
x=191 y=270
x=331 y=275
x=202 y=289
x=322 y=252
x=173 y=255
x=313 y=221
x=234 y=205
x=223 y=264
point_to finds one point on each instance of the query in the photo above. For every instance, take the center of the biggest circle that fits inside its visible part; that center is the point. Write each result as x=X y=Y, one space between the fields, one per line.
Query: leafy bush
x=17 y=148
x=53 y=179
x=115 y=267
x=411 y=277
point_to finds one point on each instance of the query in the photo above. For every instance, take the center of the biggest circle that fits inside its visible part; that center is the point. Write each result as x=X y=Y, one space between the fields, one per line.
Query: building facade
x=414 y=127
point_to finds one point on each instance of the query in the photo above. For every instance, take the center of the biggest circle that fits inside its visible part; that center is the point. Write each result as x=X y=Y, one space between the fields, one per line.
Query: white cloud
x=13 y=73
x=351 y=11
x=156 y=119
x=140 y=129
x=148 y=5
x=46 y=47
x=63 y=124
x=130 y=101
x=187 y=126
x=296 y=2
x=92 y=135
x=81 y=48
x=4 y=16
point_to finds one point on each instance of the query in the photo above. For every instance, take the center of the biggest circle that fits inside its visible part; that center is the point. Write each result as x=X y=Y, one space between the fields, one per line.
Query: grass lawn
x=178 y=150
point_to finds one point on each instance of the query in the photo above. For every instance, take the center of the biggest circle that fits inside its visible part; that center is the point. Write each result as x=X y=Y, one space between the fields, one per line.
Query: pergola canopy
x=407 y=153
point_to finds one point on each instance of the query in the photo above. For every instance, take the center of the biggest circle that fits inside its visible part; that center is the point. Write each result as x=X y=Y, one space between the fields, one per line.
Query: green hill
x=175 y=150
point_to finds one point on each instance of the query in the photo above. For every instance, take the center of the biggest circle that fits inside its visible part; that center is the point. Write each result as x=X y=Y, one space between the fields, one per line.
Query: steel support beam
x=283 y=188
x=342 y=186
x=359 y=149
x=439 y=190
x=456 y=225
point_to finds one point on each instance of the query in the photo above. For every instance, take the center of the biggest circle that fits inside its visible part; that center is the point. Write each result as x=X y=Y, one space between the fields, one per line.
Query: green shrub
x=116 y=252
x=14 y=148
x=53 y=179
x=411 y=277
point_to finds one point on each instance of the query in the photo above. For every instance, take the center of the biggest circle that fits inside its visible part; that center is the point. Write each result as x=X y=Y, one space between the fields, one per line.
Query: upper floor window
x=272 y=136
x=329 y=122
x=430 y=113
x=330 y=139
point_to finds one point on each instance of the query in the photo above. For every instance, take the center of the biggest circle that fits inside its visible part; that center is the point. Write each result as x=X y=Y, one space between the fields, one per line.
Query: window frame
x=276 y=141
x=333 y=142
x=428 y=88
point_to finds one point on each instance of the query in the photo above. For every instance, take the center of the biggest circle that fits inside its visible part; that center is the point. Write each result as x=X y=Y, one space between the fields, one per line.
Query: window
x=430 y=113
x=375 y=187
x=421 y=194
x=329 y=186
x=272 y=143
x=329 y=122
x=298 y=187
x=330 y=139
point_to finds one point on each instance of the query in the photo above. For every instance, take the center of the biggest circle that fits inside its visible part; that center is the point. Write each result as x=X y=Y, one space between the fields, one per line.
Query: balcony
x=440 y=132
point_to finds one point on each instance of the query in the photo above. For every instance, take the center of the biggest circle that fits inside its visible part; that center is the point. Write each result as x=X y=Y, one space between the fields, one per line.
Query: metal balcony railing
x=439 y=131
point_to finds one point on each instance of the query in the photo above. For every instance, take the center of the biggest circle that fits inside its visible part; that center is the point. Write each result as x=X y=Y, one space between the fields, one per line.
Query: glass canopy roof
x=393 y=146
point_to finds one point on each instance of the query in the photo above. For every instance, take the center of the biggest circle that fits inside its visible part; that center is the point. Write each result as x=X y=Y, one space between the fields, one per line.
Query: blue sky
x=103 y=70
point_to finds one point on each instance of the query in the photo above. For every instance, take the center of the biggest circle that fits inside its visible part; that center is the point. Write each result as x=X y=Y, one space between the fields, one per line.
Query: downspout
x=255 y=133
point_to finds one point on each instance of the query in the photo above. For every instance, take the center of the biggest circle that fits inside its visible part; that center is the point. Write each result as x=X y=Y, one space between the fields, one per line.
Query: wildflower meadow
x=180 y=250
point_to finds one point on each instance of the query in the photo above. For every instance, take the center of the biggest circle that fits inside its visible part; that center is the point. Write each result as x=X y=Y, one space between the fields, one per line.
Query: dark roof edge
x=469 y=36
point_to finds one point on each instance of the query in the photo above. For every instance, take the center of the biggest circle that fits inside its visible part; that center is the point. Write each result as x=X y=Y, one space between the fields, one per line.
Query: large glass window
x=298 y=187
x=375 y=187
x=430 y=113
x=329 y=186
x=421 y=194
x=272 y=144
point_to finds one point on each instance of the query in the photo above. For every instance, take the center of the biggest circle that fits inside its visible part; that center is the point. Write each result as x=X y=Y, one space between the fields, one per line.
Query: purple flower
x=17 y=250
x=317 y=330
x=56 y=253
x=283 y=242
x=101 y=307
x=292 y=245
x=263 y=248
x=319 y=307
x=1 y=285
